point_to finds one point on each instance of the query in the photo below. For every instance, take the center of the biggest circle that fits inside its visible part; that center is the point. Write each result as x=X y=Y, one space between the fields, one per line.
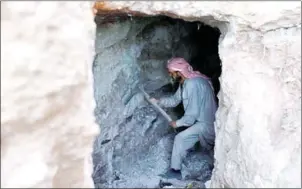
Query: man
x=197 y=95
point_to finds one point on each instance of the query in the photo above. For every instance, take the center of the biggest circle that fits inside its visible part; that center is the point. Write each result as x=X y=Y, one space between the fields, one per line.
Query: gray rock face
x=198 y=165
x=138 y=153
x=135 y=142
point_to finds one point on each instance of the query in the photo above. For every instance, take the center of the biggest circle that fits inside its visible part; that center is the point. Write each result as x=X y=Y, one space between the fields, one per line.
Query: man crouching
x=196 y=93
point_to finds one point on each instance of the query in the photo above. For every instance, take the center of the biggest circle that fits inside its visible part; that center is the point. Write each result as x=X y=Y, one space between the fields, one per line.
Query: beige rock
x=47 y=125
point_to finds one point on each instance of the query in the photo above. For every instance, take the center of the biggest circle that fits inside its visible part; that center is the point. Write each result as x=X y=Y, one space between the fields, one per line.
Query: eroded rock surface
x=47 y=123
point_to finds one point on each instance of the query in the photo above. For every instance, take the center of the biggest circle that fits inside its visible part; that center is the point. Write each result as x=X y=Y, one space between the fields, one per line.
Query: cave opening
x=135 y=140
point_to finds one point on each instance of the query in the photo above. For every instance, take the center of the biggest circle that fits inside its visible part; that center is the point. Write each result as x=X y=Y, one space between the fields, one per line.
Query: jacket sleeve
x=171 y=101
x=191 y=110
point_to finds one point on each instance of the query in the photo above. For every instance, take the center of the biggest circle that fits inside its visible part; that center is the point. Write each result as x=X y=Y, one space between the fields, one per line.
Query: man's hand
x=154 y=100
x=173 y=124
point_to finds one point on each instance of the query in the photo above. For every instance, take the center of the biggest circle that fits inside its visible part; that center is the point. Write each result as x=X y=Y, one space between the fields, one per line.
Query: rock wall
x=47 y=123
x=259 y=118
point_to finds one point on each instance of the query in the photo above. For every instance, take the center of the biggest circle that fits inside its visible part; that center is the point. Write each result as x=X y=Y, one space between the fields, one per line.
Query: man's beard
x=175 y=81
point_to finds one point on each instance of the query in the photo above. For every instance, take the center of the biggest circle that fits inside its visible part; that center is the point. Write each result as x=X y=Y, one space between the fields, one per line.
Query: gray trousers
x=187 y=139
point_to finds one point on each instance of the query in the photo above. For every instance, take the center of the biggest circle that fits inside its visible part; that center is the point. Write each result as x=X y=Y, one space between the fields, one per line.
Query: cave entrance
x=135 y=141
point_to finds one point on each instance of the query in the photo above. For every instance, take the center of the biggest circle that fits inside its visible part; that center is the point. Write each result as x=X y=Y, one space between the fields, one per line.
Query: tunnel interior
x=135 y=143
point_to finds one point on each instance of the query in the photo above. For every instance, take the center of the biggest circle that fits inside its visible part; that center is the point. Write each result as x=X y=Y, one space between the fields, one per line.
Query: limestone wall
x=47 y=122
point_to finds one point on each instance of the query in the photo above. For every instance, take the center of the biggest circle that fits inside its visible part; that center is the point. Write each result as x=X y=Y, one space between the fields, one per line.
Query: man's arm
x=192 y=109
x=170 y=101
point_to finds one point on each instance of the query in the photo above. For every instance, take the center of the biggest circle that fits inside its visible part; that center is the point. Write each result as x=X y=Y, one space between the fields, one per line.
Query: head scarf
x=182 y=66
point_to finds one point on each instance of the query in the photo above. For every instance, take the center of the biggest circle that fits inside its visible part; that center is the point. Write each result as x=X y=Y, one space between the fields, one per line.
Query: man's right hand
x=154 y=100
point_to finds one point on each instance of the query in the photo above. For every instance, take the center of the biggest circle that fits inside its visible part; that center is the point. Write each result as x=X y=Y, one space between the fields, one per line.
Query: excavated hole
x=135 y=143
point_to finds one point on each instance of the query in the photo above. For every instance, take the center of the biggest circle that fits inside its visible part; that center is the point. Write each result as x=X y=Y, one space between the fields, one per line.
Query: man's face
x=173 y=74
x=175 y=77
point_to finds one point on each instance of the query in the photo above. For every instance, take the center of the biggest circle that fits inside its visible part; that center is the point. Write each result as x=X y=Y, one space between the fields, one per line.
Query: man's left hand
x=173 y=124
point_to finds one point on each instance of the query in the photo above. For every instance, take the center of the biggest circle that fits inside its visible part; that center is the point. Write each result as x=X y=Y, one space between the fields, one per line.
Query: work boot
x=172 y=174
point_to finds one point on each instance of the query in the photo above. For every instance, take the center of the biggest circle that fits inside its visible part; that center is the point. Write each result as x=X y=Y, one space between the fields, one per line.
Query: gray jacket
x=198 y=100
